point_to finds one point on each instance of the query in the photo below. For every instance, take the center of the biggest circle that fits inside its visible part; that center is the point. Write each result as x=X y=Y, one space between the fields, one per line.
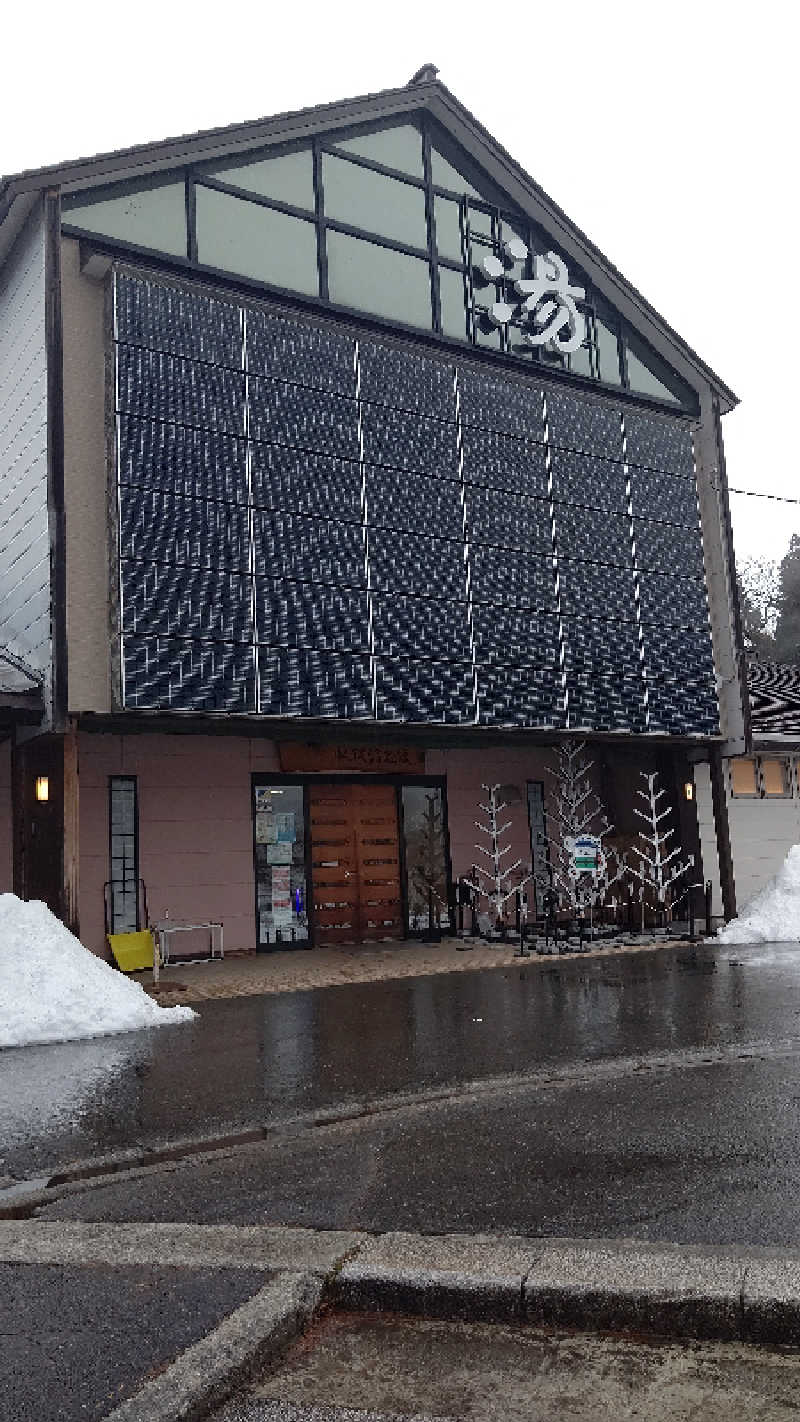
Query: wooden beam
x=71 y=828
x=724 y=855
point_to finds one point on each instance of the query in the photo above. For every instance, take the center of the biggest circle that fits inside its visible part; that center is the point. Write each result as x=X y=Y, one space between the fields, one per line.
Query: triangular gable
x=394 y=220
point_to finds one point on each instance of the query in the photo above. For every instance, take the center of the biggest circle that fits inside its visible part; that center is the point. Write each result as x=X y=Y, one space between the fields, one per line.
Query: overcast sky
x=667 y=132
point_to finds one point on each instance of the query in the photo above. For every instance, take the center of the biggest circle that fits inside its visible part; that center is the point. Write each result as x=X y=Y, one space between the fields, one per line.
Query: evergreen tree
x=787 y=627
x=757 y=580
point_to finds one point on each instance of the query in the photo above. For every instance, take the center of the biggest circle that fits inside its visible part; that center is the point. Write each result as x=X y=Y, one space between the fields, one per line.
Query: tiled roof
x=774 y=699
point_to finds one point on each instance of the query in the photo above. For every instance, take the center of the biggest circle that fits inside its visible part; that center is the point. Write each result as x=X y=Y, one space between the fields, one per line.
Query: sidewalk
x=299 y=970
x=510 y=1323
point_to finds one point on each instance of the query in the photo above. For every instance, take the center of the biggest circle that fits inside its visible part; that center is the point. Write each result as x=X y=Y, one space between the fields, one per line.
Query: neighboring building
x=763 y=789
x=312 y=521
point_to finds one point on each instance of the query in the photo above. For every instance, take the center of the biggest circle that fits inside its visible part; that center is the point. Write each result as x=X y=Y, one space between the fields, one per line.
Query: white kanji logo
x=547 y=312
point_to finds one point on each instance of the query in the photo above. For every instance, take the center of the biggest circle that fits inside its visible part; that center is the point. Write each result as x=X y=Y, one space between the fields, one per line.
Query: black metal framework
x=484 y=223
x=123 y=853
x=306 y=780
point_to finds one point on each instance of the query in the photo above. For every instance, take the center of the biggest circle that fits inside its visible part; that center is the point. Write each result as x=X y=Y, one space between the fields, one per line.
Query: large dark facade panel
x=520 y=696
x=308 y=549
x=174 y=601
x=183 y=392
x=578 y=422
x=420 y=627
x=198 y=464
x=295 y=682
x=679 y=708
x=298 y=481
x=595 y=483
x=596 y=590
x=509 y=521
x=305 y=419
x=517 y=636
x=404 y=440
x=301 y=354
x=414 y=689
x=406 y=381
x=602 y=648
x=495 y=403
x=606 y=703
x=668 y=548
x=311 y=616
x=178 y=320
x=330 y=479
x=597 y=537
x=188 y=675
x=507 y=462
x=413 y=503
x=406 y=562
x=158 y=528
x=667 y=497
x=677 y=652
x=658 y=442
x=665 y=600
x=514 y=579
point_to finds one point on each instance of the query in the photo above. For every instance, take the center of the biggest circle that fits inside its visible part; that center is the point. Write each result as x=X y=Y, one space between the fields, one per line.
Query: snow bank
x=773 y=916
x=52 y=989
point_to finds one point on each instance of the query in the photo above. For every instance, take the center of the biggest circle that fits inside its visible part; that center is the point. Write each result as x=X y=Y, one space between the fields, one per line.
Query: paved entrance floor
x=378 y=1368
x=299 y=970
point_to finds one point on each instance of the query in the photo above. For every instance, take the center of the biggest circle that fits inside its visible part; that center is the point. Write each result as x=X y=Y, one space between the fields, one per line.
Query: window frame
x=501 y=343
x=113 y=781
x=760 y=792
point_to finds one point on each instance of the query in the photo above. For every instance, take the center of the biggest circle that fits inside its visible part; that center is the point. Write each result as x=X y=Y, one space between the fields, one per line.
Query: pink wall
x=465 y=771
x=6 y=839
x=195 y=827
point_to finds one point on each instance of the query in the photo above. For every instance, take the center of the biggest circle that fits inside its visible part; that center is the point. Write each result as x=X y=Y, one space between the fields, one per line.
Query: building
x=762 y=789
x=340 y=474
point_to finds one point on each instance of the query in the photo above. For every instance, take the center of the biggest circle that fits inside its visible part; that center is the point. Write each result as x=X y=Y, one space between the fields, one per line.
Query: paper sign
x=266 y=832
x=279 y=854
x=284 y=826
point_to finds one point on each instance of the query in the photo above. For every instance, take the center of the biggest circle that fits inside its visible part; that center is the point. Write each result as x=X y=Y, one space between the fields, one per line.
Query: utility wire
x=757 y=494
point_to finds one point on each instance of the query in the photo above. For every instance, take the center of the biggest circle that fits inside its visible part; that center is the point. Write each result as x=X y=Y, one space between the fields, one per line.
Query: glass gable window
x=151 y=217
x=256 y=242
x=399 y=148
x=385 y=222
x=367 y=277
x=288 y=178
x=363 y=198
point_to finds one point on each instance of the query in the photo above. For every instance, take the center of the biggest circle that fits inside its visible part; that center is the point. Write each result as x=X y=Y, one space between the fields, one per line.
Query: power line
x=757 y=494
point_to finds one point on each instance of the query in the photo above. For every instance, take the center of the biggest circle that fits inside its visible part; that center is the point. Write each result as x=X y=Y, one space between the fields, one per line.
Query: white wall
x=762 y=833
x=24 y=522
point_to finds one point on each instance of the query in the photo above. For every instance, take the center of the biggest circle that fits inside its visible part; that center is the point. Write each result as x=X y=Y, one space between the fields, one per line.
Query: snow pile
x=52 y=989
x=773 y=916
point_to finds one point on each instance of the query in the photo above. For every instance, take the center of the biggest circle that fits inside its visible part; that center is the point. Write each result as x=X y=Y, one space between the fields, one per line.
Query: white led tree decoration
x=575 y=813
x=660 y=867
x=496 y=882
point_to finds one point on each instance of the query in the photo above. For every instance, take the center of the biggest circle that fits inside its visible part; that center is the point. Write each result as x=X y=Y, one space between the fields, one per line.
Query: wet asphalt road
x=250 y=1060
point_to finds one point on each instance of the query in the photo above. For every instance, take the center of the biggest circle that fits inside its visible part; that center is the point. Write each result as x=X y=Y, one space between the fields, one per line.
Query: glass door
x=280 y=866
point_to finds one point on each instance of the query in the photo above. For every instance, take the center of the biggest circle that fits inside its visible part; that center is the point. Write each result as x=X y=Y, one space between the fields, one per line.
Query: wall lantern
x=42 y=788
x=688 y=790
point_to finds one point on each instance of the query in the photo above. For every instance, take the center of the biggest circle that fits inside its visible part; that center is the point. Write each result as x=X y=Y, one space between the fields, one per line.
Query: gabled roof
x=774 y=690
x=426 y=93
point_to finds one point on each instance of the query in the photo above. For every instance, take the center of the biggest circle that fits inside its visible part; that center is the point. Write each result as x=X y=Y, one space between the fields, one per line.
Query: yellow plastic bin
x=132 y=951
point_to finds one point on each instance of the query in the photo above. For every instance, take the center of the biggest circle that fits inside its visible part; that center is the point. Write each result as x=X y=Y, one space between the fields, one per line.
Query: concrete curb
x=750 y=1296
x=247 y=1341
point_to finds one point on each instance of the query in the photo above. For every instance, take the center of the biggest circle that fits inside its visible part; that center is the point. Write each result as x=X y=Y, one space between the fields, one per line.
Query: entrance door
x=355 y=863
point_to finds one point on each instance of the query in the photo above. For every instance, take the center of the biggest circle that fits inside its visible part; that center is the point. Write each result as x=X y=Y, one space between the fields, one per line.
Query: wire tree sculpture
x=498 y=881
x=429 y=872
x=575 y=812
x=660 y=866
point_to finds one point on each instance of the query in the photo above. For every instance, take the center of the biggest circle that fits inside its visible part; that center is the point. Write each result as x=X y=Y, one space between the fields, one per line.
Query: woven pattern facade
x=316 y=525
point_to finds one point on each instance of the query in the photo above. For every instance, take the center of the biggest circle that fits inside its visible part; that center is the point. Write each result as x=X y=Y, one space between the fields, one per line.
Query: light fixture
x=42 y=788
x=688 y=790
